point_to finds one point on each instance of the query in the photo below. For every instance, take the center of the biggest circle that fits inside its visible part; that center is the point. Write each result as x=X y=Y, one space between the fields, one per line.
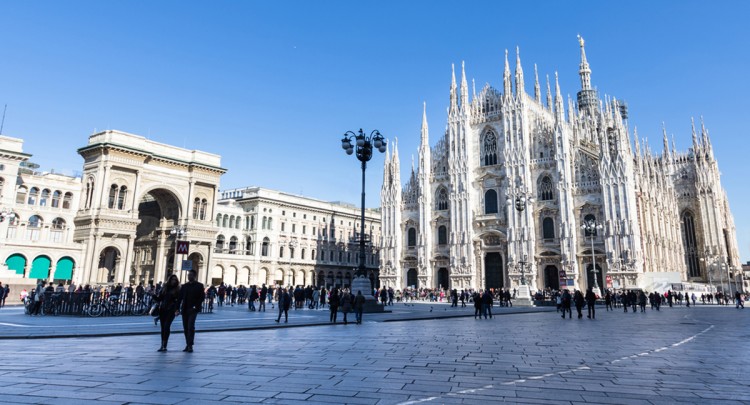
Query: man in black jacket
x=590 y=303
x=192 y=295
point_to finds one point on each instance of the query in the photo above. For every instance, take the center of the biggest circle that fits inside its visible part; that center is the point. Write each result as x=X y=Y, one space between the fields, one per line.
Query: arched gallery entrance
x=154 y=247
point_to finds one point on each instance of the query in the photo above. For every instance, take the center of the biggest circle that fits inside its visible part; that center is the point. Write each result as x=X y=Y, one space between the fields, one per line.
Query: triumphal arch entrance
x=139 y=199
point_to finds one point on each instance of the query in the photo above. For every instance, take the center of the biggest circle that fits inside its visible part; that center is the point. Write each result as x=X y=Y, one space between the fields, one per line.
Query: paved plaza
x=677 y=355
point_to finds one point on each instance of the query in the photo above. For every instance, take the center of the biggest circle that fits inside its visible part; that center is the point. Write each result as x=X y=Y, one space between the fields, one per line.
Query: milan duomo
x=507 y=192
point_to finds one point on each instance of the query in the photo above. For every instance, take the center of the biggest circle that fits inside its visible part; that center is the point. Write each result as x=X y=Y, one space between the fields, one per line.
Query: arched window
x=56 y=230
x=490 y=202
x=33 y=196
x=545 y=190
x=233 y=245
x=489 y=149
x=225 y=221
x=263 y=226
x=302 y=255
x=202 y=213
x=442 y=235
x=690 y=243
x=412 y=238
x=21 y=195
x=33 y=226
x=270 y=226
x=264 y=247
x=548 y=228
x=67 y=200
x=218 y=220
x=112 y=196
x=56 y=199
x=121 y=197
x=196 y=207
x=45 y=197
x=249 y=246
x=442 y=199
x=238 y=222
x=89 y=194
x=589 y=218
x=220 y=243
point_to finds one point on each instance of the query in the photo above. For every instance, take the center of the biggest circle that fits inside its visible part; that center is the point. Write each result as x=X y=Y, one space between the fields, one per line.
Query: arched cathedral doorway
x=493 y=271
x=443 y=280
x=551 y=278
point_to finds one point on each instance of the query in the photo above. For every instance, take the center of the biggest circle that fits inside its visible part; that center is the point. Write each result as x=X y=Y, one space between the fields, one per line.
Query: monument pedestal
x=371 y=305
x=523 y=297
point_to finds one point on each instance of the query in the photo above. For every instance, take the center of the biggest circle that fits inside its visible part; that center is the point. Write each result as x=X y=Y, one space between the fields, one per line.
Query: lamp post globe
x=364 y=145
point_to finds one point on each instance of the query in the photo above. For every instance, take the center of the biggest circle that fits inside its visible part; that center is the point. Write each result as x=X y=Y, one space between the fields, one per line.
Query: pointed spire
x=666 y=140
x=674 y=147
x=704 y=133
x=559 y=110
x=637 y=144
x=506 y=76
x=425 y=129
x=549 y=95
x=520 y=86
x=464 y=89
x=473 y=90
x=695 y=136
x=537 y=90
x=584 y=70
x=454 y=93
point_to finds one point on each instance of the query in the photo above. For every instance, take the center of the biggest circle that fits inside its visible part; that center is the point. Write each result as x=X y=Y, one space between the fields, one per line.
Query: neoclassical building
x=122 y=219
x=277 y=238
x=504 y=192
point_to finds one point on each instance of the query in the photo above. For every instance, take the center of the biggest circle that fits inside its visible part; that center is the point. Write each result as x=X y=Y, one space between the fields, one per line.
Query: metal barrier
x=93 y=304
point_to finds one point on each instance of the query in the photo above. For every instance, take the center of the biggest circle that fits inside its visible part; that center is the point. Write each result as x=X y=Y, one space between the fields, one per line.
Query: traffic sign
x=183 y=247
x=187 y=265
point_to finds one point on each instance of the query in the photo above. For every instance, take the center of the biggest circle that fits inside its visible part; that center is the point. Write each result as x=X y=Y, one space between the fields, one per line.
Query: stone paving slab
x=672 y=356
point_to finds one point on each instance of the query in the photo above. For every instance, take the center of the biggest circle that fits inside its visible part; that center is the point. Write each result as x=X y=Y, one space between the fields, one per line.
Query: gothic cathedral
x=519 y=190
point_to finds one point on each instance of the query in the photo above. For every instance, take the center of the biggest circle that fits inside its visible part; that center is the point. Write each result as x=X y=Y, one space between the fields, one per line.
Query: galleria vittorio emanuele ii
x=537 y=190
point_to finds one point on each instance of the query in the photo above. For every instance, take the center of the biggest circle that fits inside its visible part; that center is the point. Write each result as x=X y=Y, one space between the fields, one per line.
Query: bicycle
x=111 y=306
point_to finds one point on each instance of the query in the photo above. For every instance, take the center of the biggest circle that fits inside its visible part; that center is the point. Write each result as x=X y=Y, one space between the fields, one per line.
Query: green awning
x=40 y=267
x=64 y=269
x=16 y=262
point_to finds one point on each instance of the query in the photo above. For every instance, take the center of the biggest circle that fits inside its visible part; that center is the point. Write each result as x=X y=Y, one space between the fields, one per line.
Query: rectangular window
x=304 y=229
x=282 y=226
x=294 y=228
x=55 y=236
x=314 y=231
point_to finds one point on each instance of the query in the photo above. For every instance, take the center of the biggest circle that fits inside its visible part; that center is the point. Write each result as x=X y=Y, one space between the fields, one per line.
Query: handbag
x=154 y=311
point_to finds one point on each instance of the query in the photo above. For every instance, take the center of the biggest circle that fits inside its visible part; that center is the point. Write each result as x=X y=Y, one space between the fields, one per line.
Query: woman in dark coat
x=346 y=304
x=167 y=298
x=333 y=304
x=579 y=301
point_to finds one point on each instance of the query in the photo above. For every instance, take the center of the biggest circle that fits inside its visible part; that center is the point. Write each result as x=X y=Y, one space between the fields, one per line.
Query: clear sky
x=271 y=86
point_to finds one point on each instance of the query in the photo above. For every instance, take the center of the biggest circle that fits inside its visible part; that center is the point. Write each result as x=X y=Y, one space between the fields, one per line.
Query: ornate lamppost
x=592 y=227
x=519 y=199
x=364 y=145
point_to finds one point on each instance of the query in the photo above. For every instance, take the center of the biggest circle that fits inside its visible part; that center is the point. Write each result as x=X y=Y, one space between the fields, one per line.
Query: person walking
x=477 y=305
x=590 y=303
x=333 y=304
x=487 y=304
x=284 y=301
x=315 y=299
x=346 y=304
x=579 y=300
x=359 y=306
x=192 y=295
x=168 y=298
x=262 y=298
x=608 y=301
x=566 y=301
x=738 y=300
x=251 y=299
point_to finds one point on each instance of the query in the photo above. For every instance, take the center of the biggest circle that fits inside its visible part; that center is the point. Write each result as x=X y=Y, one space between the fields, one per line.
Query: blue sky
x=271 y=86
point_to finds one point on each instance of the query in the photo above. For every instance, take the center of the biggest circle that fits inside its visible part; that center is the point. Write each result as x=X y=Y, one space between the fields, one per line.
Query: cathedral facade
x=554 y=194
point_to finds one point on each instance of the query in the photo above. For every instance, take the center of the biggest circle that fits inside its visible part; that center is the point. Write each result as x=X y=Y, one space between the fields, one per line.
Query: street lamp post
x=519 y=199
x=364 y=146
x=592 y=227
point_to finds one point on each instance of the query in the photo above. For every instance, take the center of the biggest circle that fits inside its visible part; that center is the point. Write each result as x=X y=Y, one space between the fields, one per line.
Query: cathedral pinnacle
x=454 y=96
x=506 y=76
x=666 y=140
x=464 y=89
x=584 y=70
x=537 y=91
x=549 y=95
x=425 y=130
x=519 y=74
